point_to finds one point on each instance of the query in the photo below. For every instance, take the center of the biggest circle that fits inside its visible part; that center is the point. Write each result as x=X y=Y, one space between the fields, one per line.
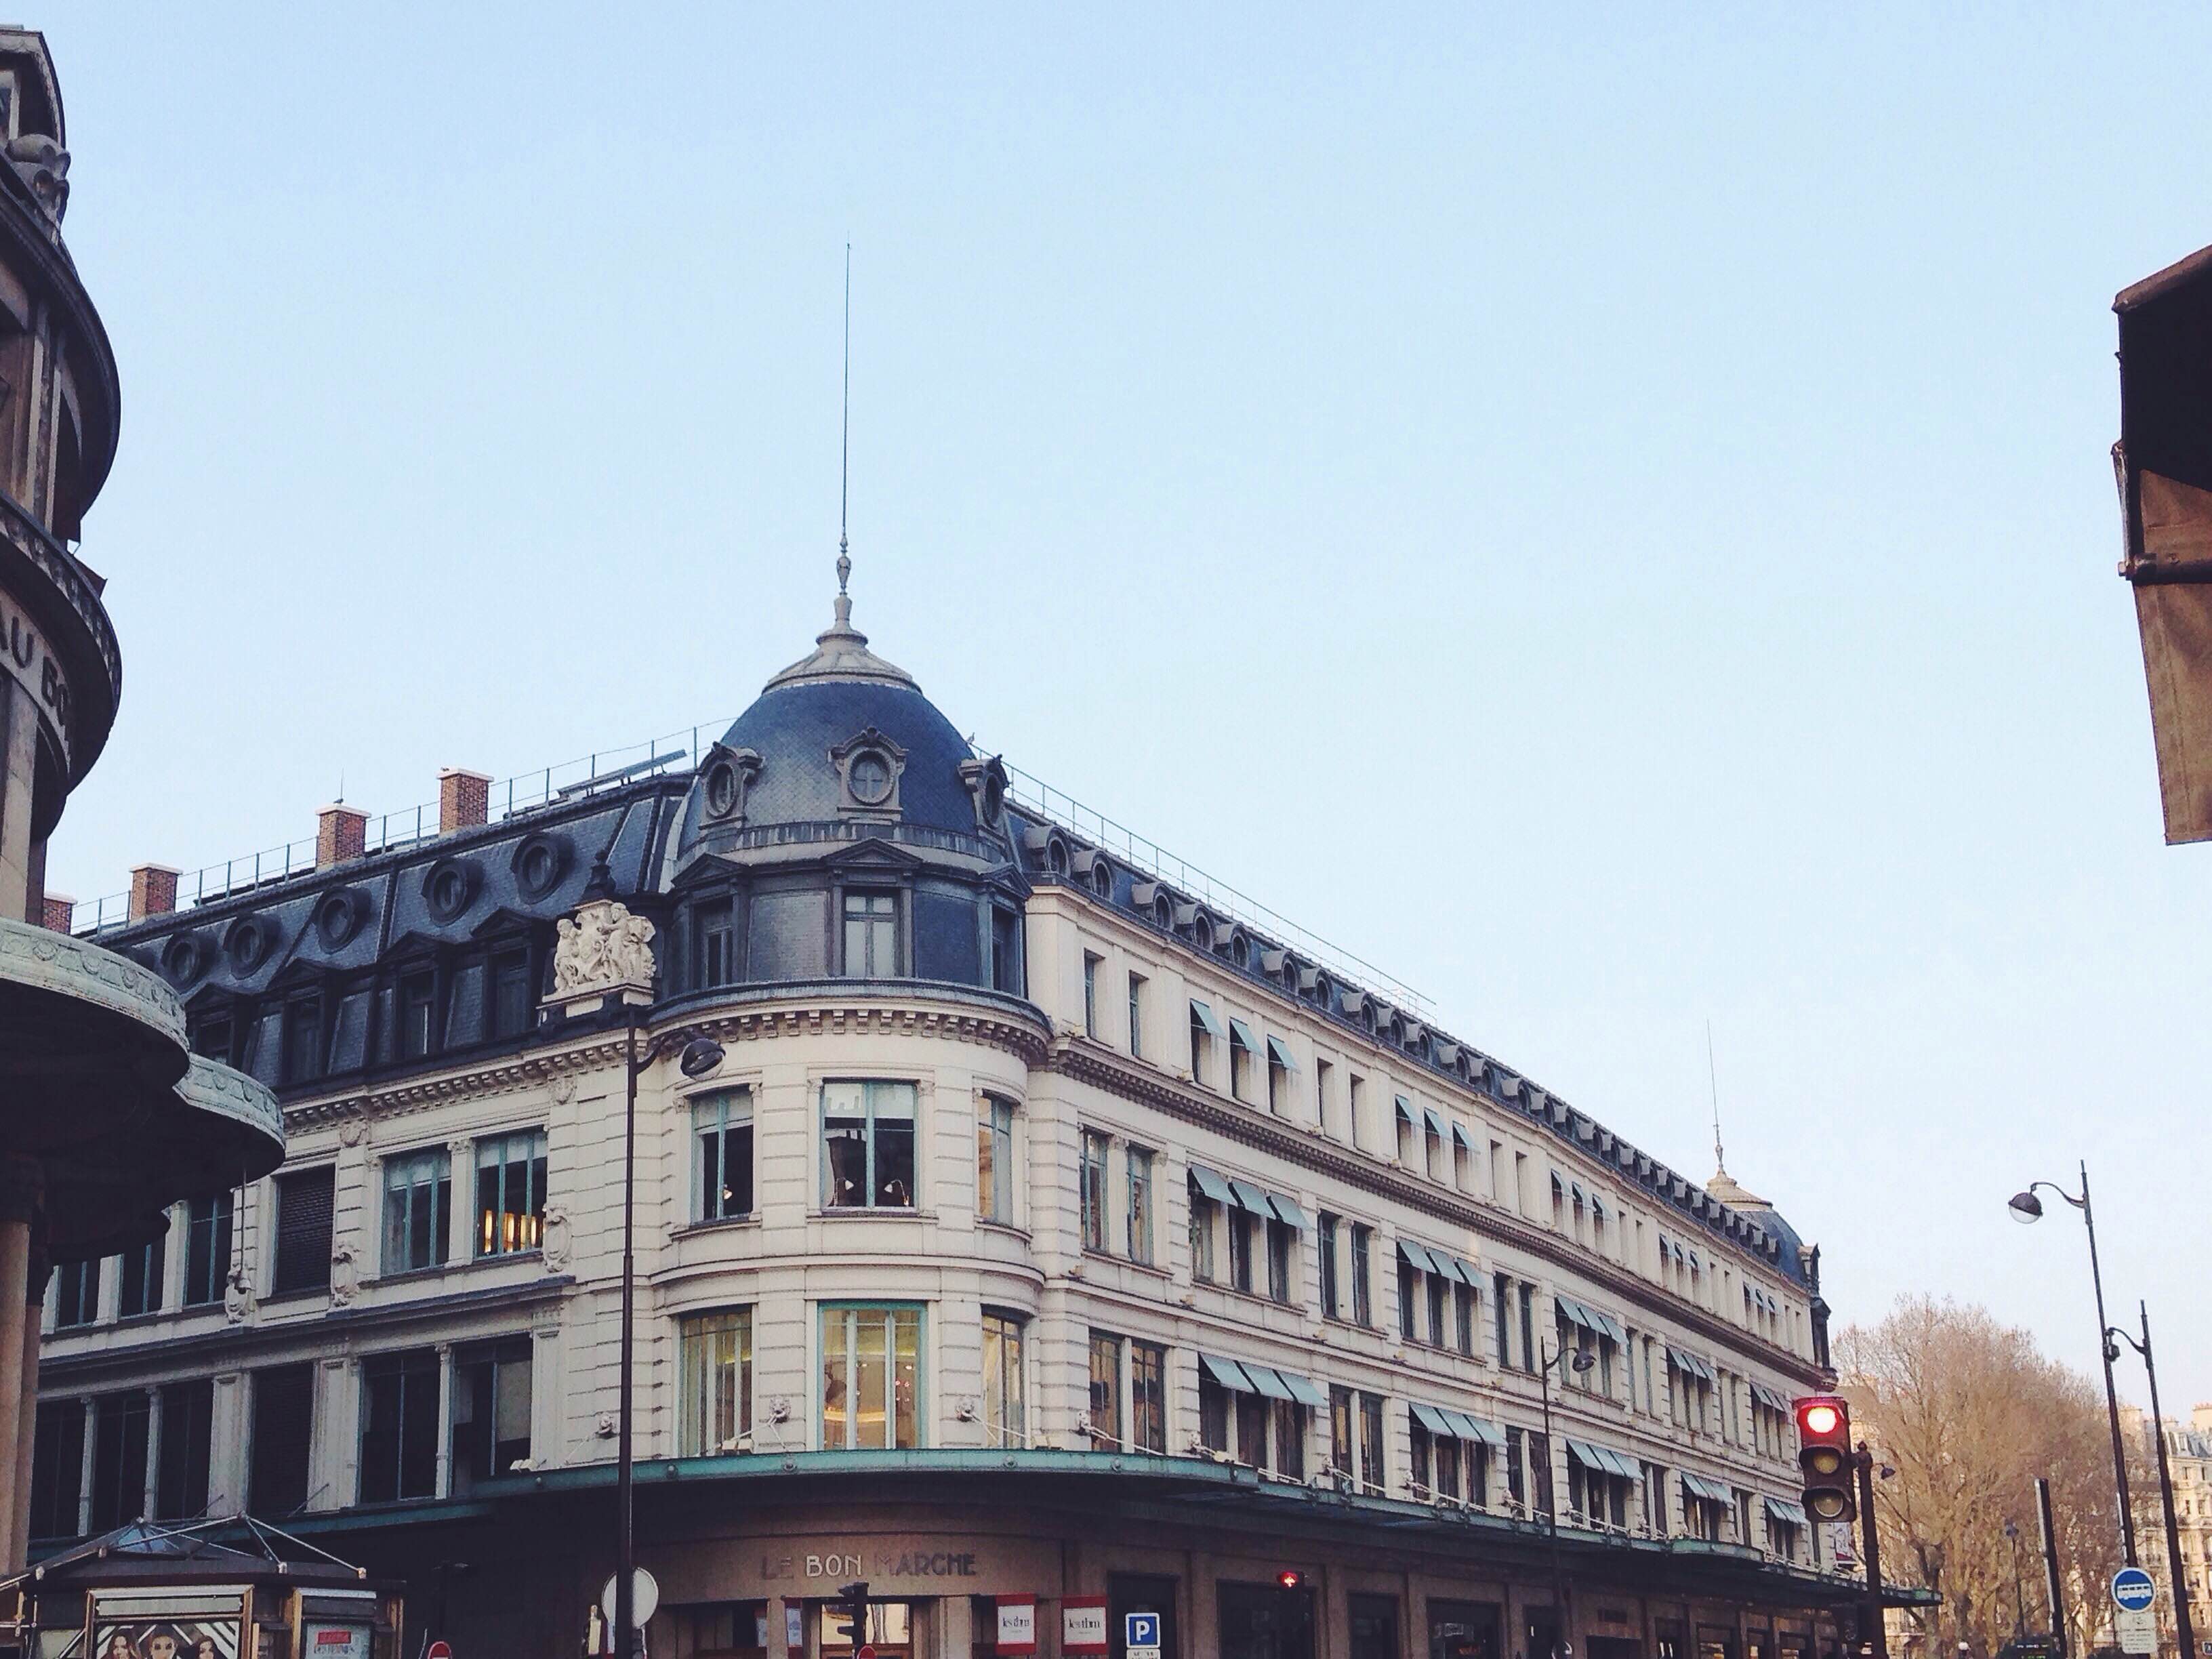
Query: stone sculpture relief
x=602 y=947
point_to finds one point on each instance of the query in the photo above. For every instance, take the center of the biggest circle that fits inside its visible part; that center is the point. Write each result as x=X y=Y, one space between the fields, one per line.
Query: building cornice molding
x=1085 y=1060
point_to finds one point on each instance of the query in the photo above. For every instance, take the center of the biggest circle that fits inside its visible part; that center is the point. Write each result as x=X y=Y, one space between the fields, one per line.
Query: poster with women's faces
x=166 y=1638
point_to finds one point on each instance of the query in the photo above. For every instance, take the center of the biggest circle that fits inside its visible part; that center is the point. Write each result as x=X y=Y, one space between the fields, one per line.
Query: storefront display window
x=714 y=1381
x=1463 y=1630
x=871 y=1377
x=727 y=1630
x=891 y=1630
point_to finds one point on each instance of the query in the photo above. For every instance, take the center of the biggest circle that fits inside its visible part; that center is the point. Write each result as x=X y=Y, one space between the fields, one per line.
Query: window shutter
x=303 y=1231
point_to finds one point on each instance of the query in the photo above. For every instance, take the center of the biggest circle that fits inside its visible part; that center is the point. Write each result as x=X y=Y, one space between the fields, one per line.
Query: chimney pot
x=153 y=891
x=60 y=909
x=463 y=798
x=341 y=833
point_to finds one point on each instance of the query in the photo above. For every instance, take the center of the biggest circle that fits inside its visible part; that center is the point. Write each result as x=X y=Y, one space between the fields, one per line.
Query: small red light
x=1290 y=1578
x=1821 y=1420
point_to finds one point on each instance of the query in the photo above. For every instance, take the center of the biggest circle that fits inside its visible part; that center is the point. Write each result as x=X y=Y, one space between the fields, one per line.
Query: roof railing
x=546 y=786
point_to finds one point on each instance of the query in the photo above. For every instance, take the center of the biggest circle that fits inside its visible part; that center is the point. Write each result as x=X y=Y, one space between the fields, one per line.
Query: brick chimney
x=341 y=832
x=59 y=910
x=463 y=798
x=153 y=891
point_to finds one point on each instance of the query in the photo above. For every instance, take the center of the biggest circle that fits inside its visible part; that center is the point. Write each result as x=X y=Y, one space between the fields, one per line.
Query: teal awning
x=1710 y=1491
x=1474 y=1429
x=1790 y=1514
x=1602 y=1459
x=1226 y=1372
x=1433 y=1420
x=1205 y=1016
x=1684 y=1360
x=1461 y=1140
x=1265 y=1382
x=1303 y=1390
x=1249 y=1197
x=1287 y=1208
x=1282 y=1056
x=1243 y=1033
x=1418 y=1258
x=1211 y=1185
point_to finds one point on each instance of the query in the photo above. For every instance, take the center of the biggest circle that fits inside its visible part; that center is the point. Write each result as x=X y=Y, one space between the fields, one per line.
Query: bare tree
x=1968 y=1413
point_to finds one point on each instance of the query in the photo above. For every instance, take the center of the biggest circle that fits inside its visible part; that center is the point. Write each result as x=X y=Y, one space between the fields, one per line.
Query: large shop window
x=871 y=934
x=118 y=1458
x=1006 y=1412
x=207 y=1247
x=722 y=1155
x=180 y=1483
x=56 y=1468
x=871 y=1377
x=284 y=1422
x=714 y=1382
x=867 y=1145
x=727 y=1630
x=305 y=1203
x=995 y=1161
x=511 y=1193
x=400 y=1426
x=418 y=1191
x=491 y=1411
x=1465 y=1630
x=141 y=1290
x=1264 y=1621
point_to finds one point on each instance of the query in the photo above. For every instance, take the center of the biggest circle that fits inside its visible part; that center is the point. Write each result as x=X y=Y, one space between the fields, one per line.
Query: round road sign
x=437 y=1650
x=2133 y=1590
x=644 y=1595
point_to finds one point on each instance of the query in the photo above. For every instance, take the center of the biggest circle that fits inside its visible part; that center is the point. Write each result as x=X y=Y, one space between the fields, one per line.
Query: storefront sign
x=334 y=1642
x=916 y=1561
x=29 y=661
x=1082 y=1624
x=1017 y=1624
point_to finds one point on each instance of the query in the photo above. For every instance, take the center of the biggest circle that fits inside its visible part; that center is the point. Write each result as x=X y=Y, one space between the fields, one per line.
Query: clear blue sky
x=1609 y=517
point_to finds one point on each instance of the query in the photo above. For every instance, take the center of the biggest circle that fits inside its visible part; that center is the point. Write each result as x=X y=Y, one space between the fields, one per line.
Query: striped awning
x=1709 y=1491
x=1768 y=1398
x=1684 y=1360
x=1206 y=1019
x=1418 y=1258
x=1598 y=1324
x=1603 y=1459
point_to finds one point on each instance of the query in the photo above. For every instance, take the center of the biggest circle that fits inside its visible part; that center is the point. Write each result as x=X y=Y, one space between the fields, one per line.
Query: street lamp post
x=701 y=1056
x=2027 y=1208
x=2184 y=1626
x=1579 y=1362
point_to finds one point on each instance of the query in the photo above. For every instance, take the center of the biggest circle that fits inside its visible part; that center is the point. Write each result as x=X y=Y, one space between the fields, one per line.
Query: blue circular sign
x=2133 y=1590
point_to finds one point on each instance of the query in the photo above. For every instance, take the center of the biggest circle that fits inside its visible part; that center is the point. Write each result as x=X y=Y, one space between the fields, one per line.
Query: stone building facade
x=1045 y=1241
x=105 y=1119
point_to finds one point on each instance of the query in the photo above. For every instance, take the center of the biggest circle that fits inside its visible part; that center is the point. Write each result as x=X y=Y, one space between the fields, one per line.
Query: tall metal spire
x=1713 y=1082
x=844 y=459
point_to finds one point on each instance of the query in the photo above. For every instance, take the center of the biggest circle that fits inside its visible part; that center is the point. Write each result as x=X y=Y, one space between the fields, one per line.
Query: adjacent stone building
x=105 y=1120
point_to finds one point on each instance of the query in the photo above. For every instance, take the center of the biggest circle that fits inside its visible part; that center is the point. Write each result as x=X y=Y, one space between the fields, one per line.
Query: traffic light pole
x=1876 y=1632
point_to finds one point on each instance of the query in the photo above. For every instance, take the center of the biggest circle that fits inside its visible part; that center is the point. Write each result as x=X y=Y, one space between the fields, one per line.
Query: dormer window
x=870 y=765
x=417 y=1005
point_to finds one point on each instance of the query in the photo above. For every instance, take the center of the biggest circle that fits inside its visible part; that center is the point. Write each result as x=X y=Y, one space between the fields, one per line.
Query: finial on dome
x=845 y=459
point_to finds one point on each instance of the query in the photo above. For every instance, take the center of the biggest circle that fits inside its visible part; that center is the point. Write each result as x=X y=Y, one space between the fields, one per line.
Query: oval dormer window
x=869 y=777
x=721 y=790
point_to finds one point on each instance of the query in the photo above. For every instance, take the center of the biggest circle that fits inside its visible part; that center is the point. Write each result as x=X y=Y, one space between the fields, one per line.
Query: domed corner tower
x=843 y=831
x=104 y=1119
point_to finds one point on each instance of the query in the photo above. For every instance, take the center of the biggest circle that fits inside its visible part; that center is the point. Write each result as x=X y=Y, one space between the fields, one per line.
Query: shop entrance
x=1130 y=1592
x=895 y=1629
x=1463 y=1630
x=1265 y=1621
x=1374 y=1621
x=1614 y=1647
x=1542 y=1633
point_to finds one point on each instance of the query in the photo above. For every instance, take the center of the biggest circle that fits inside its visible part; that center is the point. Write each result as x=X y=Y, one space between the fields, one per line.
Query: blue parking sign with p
x=1141 y=1630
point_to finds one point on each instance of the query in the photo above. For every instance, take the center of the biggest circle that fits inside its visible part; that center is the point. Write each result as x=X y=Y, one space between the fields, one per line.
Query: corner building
x=1049 y=1235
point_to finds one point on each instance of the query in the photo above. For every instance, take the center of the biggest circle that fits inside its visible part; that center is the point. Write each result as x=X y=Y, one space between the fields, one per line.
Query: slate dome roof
x=838 y=699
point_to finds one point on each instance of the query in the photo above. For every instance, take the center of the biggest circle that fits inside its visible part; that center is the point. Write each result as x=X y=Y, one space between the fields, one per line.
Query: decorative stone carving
x=604 y=1428
x=868 y=765
x=985 y=783
x=779 y=1409
x=345 y=1277
x=237 y=1296
x=351 y=1131
x=44 y=166
x=966 y=1409
x=554 y=1251
x=602 y=948
x=564 y=1089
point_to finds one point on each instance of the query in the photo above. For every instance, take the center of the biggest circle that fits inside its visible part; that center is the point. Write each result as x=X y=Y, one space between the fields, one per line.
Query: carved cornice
x=1078 y=1058
x=47 y=961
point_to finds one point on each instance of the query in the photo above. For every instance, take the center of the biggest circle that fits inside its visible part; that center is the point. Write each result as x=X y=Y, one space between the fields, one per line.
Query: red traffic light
x=1824 y=1456
x=1290 y=1578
